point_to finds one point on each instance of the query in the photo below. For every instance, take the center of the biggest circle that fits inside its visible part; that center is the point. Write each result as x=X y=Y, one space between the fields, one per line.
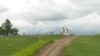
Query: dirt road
x=56 y=48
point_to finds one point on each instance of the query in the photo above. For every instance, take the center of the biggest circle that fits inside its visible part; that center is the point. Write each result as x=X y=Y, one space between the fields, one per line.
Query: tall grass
x=24 y=46
x=84 y=46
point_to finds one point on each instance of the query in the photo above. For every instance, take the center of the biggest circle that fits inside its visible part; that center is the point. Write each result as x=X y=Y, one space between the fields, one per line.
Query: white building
x=65 y=31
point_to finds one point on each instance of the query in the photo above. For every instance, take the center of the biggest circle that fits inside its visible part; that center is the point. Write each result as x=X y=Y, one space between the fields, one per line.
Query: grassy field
x=84 y=46
x=24 y=46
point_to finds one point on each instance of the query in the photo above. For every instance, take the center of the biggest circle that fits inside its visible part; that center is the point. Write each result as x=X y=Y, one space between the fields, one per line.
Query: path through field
x=56 y=48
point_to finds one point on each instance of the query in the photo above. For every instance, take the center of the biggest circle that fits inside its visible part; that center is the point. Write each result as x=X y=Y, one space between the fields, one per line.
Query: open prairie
x=24 y=46
x=84 y=46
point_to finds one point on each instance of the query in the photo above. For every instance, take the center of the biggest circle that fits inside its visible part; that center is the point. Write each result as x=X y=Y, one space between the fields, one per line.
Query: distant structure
x=23 y=34
x=65 y=31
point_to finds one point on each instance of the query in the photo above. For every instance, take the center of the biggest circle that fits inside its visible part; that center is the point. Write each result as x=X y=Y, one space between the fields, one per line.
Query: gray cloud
x=51 y=10
x=3 y=8
x=80 y=16
x=47 y=11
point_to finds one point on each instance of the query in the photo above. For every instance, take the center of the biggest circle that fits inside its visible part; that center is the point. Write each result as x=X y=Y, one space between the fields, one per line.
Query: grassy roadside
x=24 y=46
x=84 y=46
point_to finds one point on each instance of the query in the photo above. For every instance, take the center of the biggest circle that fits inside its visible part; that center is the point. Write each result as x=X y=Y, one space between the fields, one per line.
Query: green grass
x=84 y=46
x=24 y=46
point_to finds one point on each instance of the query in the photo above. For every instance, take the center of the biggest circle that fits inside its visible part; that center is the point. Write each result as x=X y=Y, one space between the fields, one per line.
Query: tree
x=2 y=31
x=7 y=27
x=15 y=31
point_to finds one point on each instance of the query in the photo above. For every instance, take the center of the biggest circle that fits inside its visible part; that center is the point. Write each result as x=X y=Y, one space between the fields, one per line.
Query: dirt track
x=56 y=48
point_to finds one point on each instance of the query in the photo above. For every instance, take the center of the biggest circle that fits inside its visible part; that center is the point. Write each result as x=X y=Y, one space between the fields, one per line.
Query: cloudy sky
x=42 y=16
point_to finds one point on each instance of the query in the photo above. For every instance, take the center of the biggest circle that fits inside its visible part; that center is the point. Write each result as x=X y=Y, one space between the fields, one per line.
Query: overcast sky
x=42 y=16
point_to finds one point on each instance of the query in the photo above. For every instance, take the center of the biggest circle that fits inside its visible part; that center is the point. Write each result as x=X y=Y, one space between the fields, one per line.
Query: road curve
x=56 y=48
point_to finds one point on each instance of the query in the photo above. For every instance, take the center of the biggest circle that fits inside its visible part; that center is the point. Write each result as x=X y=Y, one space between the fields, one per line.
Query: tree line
x=6 y=29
